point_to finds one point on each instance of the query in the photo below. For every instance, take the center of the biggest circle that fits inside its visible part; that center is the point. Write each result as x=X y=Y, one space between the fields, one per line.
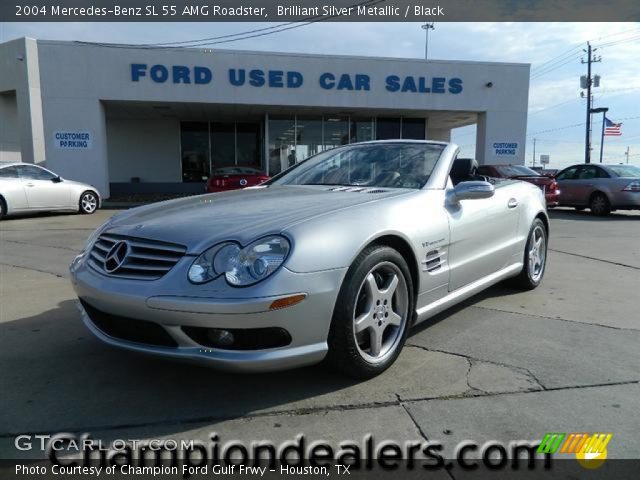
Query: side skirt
x=465 y=292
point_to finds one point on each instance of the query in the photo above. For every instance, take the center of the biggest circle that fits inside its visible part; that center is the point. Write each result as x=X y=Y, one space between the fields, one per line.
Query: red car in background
x=233 y=178
x=548 y=184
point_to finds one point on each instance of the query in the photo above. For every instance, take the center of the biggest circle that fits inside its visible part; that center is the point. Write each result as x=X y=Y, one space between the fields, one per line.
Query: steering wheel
x=408 y=181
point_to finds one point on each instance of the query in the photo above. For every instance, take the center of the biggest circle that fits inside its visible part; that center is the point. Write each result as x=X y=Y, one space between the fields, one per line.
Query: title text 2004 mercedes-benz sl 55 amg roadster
x=334 y=259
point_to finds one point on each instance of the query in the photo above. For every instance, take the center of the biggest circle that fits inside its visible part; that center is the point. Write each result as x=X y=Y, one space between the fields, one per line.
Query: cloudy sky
x=554 y=50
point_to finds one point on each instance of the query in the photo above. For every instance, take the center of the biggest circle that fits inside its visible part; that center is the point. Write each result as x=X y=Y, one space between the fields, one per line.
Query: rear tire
x=600 y=205
x=372 y=315
x=535 y=258
x=3 y=208
x=88 y=202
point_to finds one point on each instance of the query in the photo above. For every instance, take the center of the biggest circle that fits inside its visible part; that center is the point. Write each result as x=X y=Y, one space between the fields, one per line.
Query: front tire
x=372 y=315
x=535 y=257
x=600 y=205
x=3 y=208
x=88 y=203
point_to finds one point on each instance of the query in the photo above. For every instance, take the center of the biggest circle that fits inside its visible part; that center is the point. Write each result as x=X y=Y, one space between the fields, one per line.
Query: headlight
x=241 y=266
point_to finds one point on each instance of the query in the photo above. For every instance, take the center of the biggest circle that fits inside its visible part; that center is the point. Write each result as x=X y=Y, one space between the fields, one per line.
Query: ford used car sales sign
x=200 y=75
x=72 y=140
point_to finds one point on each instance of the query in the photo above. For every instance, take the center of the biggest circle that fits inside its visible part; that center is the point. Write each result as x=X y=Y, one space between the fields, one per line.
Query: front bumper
x=626 y=200
x=172 y=303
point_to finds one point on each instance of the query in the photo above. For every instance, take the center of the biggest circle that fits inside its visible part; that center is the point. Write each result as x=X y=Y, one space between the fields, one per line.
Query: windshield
x=516 y=170
x=390 y=165
x=627 y=171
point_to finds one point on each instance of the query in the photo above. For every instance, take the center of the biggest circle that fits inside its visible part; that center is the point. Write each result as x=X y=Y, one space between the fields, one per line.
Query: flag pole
x=602 y=136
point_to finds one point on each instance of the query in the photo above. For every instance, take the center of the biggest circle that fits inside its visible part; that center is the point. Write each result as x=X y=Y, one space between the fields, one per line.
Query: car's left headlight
x=241 y=266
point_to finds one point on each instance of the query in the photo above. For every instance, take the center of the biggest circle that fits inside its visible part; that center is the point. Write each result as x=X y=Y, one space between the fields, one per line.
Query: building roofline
x=272 y=53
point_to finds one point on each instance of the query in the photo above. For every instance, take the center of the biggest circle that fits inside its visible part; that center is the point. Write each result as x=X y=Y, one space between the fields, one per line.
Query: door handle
x=30 y=185
x=513 y=203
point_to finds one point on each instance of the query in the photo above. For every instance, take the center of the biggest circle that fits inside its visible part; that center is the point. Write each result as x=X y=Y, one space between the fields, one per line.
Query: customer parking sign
x=72 y=140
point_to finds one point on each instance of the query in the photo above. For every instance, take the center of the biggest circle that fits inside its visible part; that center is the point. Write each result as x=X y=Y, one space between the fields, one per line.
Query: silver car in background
x=601 y=188
x=334 y=259
x=28 y=188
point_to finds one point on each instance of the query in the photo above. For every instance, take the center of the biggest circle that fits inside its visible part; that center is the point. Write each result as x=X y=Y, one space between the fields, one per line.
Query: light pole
x=426 y=27
x=603 y=111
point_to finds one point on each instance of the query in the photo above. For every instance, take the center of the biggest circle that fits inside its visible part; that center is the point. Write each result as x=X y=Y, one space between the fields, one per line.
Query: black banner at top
x=319 y=10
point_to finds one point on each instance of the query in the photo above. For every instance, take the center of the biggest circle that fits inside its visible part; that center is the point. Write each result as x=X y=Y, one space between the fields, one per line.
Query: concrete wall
x=144 y=148
x=20 y=79
x=10 y=150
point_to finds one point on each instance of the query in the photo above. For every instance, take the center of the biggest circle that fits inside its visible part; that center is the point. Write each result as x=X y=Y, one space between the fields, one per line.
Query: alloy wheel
x=537 y=252
x=89 y=203
x=381 y=312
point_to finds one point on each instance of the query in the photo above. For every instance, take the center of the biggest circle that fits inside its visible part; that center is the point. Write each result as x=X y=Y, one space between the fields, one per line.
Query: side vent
x=433 y=261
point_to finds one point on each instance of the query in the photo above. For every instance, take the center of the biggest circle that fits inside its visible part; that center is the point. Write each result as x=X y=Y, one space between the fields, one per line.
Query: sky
x=554 y=50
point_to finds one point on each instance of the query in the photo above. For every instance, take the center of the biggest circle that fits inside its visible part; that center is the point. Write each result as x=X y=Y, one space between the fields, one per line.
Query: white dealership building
x=138 y=119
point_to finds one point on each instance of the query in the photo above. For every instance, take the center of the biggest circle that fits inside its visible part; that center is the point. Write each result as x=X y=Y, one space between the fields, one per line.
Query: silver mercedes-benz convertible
x=334 y=259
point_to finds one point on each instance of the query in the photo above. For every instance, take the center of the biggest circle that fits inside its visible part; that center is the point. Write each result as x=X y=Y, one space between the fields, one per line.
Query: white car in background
x=28 y=188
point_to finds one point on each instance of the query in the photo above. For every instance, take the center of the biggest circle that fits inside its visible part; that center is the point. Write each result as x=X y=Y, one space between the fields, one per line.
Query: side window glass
x=33 y=173
x=568 y=174
x=9 y=172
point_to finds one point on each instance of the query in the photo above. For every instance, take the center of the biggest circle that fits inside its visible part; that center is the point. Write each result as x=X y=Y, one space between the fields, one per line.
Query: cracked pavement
x=504 y=365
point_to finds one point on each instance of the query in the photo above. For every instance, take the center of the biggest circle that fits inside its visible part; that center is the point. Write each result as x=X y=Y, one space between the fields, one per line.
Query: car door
x=12 y=189
x=43 y=189
x=567 y=185
x=482 y=235
x=586 y=182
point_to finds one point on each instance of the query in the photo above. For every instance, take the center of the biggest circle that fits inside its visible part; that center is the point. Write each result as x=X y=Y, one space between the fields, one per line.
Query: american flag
x=612 y=129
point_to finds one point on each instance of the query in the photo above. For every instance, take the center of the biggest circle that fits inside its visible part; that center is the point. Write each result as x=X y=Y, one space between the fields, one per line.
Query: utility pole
x=587 y=84
x=626 y=154
x=534 y=153
x=426 y=27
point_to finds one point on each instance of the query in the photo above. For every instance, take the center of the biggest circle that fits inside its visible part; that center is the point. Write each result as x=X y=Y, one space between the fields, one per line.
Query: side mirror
x=56 y=179
x=472 y=190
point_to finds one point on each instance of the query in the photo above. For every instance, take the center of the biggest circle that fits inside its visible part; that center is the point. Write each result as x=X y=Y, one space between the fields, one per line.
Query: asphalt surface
x=504 y=366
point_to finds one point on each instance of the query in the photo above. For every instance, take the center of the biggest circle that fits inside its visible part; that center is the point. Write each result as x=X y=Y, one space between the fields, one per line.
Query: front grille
x=145 y=259
x=129 y=329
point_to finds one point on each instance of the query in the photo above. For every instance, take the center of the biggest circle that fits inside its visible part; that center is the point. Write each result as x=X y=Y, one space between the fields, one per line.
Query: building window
x=249 y=145
x=362 y=130
x=308 y=137
x=223 y=144
x=413 y=128
x=335 y=131
x=388 y=128
x=282 y=144
x=194 y=140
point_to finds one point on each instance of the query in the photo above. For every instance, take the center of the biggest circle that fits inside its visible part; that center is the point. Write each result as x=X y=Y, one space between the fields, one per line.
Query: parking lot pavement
x=504 y=366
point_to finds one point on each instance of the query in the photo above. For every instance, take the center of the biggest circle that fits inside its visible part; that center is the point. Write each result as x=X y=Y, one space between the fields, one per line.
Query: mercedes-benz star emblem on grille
x=243 y=182
x=116 y=256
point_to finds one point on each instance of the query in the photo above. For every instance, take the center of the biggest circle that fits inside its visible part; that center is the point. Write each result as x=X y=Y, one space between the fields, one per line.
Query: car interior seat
x=465 y=170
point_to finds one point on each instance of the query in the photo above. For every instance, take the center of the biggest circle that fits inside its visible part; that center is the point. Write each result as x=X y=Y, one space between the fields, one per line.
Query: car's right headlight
x=241 y=266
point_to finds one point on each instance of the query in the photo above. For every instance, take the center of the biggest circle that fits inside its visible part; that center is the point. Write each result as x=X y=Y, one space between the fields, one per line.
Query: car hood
x=243 y=215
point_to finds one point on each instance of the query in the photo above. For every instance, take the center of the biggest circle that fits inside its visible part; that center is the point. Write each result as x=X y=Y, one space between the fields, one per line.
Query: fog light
x=220 y=338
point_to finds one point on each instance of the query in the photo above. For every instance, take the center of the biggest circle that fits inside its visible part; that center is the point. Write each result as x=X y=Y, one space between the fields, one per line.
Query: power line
x=234 y=37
